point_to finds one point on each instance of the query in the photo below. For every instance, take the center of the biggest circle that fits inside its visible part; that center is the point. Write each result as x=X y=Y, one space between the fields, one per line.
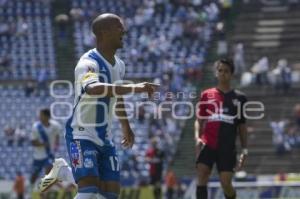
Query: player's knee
x=226 y=185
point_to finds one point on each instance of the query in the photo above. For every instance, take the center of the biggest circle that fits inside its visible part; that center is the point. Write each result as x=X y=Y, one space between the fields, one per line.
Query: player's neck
x=107 y=53
x=224 y=87
x=46 y=124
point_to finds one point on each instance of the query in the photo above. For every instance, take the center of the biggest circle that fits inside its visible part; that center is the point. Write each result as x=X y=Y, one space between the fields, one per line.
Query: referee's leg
x=204 y=172
x=226 y=182
x=205 y=161
x=226 y=160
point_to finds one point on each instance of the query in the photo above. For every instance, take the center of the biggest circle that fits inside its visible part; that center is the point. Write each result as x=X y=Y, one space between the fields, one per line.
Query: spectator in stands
x=155 y=158
x=293 y=129
x=297 y=116
x=194 y=67
x=29 y=88
x=62 y=22
x=5 y=63
x=280 y=139
x=226 y=7
x=42 y=78
x=222 y=43
x=77 y=14
x=171 y=184
x=283 y=76
x=22 y=27
x=19 y=185
x=20 y=135
x=176 y=30
x=239 y=60
x=260 y=70
x=10 y=135
x=130 y=167
x=4 y=28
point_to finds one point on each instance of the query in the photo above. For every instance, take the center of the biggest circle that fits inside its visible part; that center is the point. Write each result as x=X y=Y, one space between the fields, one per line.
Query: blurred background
x=171 y=42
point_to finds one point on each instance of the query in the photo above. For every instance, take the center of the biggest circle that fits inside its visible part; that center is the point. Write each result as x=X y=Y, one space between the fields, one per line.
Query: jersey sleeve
x=85 y=73
x=243 y=100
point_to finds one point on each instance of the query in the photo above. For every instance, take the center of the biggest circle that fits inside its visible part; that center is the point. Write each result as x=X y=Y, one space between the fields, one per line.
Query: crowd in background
x=286 y=133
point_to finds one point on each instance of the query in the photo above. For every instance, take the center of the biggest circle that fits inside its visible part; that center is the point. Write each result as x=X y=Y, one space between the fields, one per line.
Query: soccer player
x=92 y=154
x=45 y=141
x=220 y=119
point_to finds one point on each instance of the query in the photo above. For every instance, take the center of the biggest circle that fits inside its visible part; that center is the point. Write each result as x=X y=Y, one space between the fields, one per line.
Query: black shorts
x=224 y=159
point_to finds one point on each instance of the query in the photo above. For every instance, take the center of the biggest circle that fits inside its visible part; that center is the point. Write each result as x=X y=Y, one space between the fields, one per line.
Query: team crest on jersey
x=88 y=163
x=76 y=154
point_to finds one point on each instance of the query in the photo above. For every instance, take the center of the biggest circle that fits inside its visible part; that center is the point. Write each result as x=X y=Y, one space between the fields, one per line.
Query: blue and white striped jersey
x=46 y=135
x=92 y=115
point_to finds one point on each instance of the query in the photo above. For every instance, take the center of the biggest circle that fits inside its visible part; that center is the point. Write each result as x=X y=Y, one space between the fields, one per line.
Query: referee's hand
x=199 y=146
x=241 y=162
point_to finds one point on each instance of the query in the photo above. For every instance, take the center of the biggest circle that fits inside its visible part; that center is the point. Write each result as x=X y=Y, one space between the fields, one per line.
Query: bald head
x=104 y=22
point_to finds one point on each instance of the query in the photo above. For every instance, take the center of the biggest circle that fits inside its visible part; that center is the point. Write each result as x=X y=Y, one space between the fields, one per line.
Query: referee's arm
x=243 y=135
x=198 y=125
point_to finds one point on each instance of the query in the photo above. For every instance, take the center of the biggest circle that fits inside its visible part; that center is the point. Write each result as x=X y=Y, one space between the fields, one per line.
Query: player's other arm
x=128 y=135
x=242 y=127
x=242 y=130
x=243 y=137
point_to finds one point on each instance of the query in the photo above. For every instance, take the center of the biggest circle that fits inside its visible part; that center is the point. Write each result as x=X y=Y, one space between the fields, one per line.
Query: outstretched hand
x=148 y=87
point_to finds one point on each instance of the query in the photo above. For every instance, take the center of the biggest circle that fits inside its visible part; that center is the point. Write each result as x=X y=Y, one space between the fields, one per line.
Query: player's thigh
x=109 y=169
x=205 y=162
x=84 y=162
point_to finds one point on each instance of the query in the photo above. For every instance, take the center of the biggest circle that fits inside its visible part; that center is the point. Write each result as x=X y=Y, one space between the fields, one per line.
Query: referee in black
x=219 y=121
